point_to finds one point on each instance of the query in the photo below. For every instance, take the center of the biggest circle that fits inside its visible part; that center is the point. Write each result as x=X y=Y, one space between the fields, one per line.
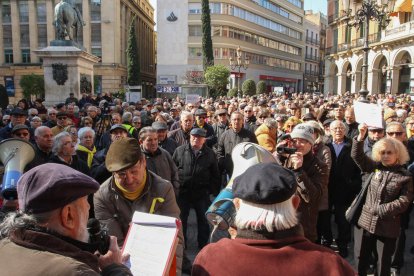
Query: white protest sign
x=192 y=98
x=369 y=114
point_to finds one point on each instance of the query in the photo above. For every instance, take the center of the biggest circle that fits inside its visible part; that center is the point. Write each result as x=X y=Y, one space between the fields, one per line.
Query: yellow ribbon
x=154 y=202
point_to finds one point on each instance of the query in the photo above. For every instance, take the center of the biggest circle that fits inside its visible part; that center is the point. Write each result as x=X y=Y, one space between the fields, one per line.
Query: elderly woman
x=86 y=148
x=389 y=194
x=64 y=152
x=290 y=123
x=266 y=134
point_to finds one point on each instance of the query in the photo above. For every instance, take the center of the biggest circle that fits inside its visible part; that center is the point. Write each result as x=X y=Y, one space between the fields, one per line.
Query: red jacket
x=281 y=253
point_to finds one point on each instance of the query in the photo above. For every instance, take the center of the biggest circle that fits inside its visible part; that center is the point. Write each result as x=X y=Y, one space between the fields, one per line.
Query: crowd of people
x=168 y=156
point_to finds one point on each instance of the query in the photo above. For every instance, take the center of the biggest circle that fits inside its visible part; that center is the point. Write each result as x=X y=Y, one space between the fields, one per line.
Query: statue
x=68 y=20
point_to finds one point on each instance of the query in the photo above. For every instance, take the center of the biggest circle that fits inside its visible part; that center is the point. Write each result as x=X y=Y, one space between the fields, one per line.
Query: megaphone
x=15 y=154
x=222 y=211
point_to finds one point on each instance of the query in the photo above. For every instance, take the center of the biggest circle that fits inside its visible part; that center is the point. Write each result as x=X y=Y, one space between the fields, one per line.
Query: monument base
x=64 y=64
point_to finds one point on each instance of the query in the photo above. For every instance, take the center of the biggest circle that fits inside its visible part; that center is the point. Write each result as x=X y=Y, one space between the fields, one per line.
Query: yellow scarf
x=90 y=153
x=132 y=195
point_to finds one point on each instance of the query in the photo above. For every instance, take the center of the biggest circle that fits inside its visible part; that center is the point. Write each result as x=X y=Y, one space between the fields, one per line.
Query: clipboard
x=152 y=242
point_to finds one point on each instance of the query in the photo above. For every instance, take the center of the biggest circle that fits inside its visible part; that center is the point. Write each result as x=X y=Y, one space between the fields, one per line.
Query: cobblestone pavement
x=407 y=270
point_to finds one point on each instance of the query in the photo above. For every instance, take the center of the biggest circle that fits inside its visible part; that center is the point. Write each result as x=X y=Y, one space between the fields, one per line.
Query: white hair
x=278 y=216
x=84 y=130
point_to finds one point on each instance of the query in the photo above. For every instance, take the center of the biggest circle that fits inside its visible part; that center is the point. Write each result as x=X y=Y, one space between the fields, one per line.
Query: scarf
x=89 y=152
x=135 y=194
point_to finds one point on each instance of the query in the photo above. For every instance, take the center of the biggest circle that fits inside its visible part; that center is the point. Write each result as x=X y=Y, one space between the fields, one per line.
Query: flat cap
x=389 y=113
x=200 y=112
x=265 y=183
x=52 y=186
x=242 y=106
x=118 y=126
x=220 y=111
x=199 y=132
x=327 y=122
x=154 y=110
x=18 y=111
x=122 y=154
x=159 y=126
x=308 y=116
x=61 y=114
x=19 y=127
x=262 y=102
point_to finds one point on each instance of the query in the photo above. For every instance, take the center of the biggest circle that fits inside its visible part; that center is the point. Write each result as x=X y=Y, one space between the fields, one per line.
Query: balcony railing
x=311 y=40
x=311 y=57
x=404 y=30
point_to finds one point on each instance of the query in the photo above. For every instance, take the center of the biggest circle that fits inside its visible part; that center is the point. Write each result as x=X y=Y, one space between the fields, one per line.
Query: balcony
x=311 y=58
x=399 y=32
x=311 y=40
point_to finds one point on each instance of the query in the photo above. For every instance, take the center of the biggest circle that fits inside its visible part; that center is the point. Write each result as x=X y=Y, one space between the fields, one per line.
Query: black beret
x=198 y=131
x=61 y=114
x=52 y=186
x=327 y=122
x=159 y=126
x=18 y=111
x=200 y=111
x=19 y=127
x=60 y=105
x=123 y=154
x=265 y=183
x=262 y=102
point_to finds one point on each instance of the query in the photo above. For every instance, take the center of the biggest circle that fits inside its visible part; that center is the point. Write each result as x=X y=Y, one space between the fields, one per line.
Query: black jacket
x=77 y=164
x=98 y=169
x=40 y=158
x=219 y=129
x=227 y=142
x=199 y=175
x=211 y=137
x=345 y=176
x=169 y=145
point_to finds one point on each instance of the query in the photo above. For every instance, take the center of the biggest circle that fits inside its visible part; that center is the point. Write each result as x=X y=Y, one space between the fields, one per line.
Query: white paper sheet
x=369 y=114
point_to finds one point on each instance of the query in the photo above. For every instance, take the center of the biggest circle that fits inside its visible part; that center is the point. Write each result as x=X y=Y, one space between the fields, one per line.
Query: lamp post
x=239 y=64
x=369 y=11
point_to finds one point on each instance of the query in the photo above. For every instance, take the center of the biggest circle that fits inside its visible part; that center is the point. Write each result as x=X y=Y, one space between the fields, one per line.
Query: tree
x=207 y=43
x=232 y=92
x=32 y=85
x=4 y=99
x=249 y=87
x=193 y=77
x=217 y=77
x=134 y=76
x=261 y=87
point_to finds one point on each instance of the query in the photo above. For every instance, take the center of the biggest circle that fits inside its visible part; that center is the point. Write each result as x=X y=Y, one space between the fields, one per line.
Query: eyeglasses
x=62 y=118
x=262 y=117
x=337 y=128
x=376 y=130
x=247 y=111
x=395 y=133
x=387 y=152
x=136 y=122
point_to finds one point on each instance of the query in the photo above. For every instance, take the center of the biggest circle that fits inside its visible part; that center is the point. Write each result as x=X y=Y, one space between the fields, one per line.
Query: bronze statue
x=68 y=20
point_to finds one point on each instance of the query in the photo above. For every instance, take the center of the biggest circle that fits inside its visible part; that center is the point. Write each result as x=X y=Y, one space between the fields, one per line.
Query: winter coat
x=115 y=211
x=169 y=145
x=266 y=137
x=390 y=193
x=199 y=175
x=281 y=253
x=98 y=169
x=179 y=136
x=323 y=153
x=211 y=138
x=219 y=129
x=33 y=253
x=161 y=163
x=227 y=142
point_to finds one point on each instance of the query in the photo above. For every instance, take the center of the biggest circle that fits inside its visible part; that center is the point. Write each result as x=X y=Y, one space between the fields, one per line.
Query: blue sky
x=316 y=5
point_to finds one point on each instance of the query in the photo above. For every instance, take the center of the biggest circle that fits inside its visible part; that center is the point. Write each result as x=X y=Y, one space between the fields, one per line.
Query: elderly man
x=21 y=132
x=311 y=173
x=133 y=188
x=62 y=122
x=374 y=134
x=269 y=237
x=164 y=142
x=229 y=139
x=344 y=183
x=43 y=147
x=182 y=135
x=18 y=117
x=48 y=235
x=200 y=122
x=199 y=177
x=158 y=160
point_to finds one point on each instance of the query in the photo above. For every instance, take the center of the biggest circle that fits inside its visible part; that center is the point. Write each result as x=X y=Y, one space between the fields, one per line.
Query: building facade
x=390 y=60
x=269 y=33
x=27 y=25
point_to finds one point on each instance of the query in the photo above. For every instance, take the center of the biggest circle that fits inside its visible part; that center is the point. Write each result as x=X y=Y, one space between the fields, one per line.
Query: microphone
x=98 y=237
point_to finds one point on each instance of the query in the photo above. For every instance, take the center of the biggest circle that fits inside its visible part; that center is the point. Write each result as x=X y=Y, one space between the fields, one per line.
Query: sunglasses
x=202 y=117
x=388 y=152
x=248 y=111
x=62 y=118
x=377 y=130
x=396 y=133
x=262 y=117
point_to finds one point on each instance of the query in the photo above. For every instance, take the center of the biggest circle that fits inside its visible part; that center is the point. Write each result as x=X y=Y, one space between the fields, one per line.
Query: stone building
x=269 y=33
x=390 y=60
x=27 y=25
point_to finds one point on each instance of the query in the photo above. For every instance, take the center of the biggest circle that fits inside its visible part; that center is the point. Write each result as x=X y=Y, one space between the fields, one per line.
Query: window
x=24 y=11
x=8 y=56
x=24 y=36
x=41 y=11
x=195 y=30
x=96 y=38
x=5 y=11
x=25 y=55
x=95 y=10
x=97 y=52
x=41 y=35
x=7 y=36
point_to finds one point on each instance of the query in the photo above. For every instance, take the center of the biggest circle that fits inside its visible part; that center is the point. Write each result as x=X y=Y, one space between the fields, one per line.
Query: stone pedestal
x=63 y=67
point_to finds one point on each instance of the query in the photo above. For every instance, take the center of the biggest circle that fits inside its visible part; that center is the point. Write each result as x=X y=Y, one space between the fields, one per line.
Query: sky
x=316 y=5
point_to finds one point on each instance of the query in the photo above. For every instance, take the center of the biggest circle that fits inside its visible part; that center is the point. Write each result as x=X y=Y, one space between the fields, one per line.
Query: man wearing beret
x=200 y=122
x=221 y=124
x=164 y=142
x=48 y=235
x=62 y=122
x=311 y=173
x=133 y=188
x=199 y=177
x=269 y=238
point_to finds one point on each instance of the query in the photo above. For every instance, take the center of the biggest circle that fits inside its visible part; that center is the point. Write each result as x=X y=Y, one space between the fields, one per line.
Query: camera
x=98 y=237
x=285 y=150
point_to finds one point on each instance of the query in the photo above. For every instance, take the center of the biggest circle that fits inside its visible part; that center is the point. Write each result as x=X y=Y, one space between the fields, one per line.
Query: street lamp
x=239 y=63
x=370 y=10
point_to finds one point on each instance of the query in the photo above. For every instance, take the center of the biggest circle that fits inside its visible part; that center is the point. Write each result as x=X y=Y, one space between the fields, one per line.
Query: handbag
x=354 y=211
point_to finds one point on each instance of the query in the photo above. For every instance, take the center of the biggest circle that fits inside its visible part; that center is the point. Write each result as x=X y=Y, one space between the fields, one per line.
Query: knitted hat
x=303 y=131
